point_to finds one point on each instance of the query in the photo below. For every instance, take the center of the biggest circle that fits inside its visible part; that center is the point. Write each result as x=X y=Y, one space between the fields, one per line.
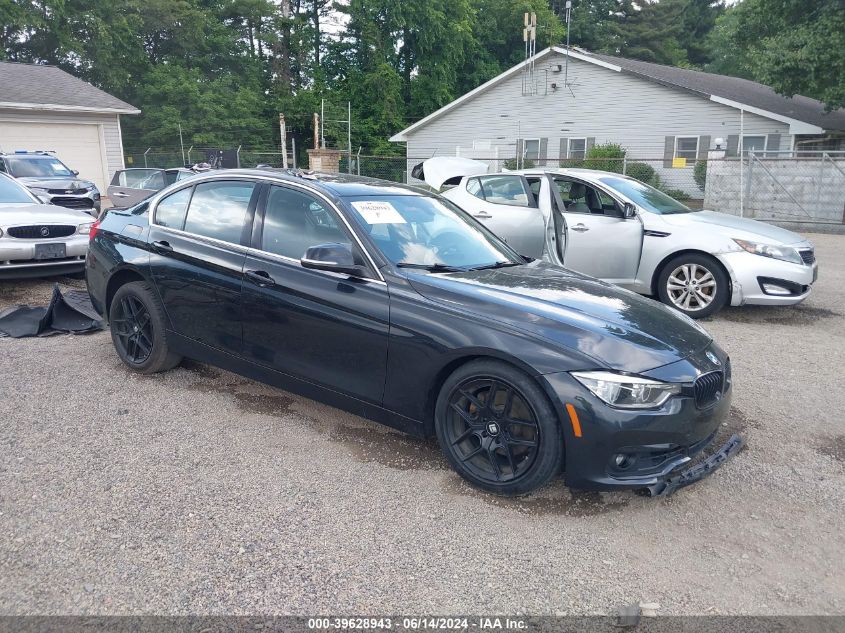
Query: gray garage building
x=558 y=104
x=44 y=108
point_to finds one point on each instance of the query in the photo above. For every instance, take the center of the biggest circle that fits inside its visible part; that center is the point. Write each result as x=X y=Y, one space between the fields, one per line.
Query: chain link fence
x=808 y=189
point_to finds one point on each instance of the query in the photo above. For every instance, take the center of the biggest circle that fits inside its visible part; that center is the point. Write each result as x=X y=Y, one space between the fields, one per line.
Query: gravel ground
x=198 y=491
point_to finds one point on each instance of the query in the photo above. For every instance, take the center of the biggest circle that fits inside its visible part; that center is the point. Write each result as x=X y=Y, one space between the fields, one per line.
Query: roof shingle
x=749 y=93
x=49 y=87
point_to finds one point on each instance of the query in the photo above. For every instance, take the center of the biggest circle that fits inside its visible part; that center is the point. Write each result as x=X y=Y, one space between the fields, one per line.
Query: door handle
x=581 y=228
x=482 y=214
x=163 y=246
x=120 y=194
x=260 y=278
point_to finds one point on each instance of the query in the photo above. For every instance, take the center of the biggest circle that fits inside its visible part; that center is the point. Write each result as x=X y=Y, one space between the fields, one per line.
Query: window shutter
x=772 y=145
x=544 y=149
x=591 y=140
x=733 y=145
x=703 y=147
x=668 y=151
x=564 y=149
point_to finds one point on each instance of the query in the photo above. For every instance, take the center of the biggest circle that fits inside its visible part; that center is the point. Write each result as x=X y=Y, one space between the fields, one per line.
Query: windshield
x=428 y=232
x=647 y=197
x=13 y=193
x=31 y=167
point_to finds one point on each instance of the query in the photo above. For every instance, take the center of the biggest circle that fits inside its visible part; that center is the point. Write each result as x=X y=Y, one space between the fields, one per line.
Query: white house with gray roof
x=44 y=108
x=575 y=99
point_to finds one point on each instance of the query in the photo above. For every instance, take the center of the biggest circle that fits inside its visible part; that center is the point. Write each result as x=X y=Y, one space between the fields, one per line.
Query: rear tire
x=137 y=325
x=695 y=284
x=498 y=429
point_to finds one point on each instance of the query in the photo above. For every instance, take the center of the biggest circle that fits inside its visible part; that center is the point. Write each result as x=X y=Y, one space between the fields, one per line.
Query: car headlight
x=626 y=392
x=84 y=229
x=785 y=253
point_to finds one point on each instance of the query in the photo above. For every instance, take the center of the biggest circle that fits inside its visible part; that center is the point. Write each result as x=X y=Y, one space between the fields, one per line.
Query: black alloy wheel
x=134 y=330
x=497 y=428
x=492 y=428
x=137 y=325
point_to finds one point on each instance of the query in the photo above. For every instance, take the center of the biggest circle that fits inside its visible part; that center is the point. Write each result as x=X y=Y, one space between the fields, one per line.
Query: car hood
x=23 y=214
x=616 y=328
x=442 y=170
x=56 y=183
x=735 y=226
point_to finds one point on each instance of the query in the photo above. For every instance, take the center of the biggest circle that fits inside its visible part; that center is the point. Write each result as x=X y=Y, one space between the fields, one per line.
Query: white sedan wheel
x=691 y=287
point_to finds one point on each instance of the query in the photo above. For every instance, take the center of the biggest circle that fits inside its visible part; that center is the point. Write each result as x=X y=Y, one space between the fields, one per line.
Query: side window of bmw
x=218 y=209
x=294 y=221
x=170 y=211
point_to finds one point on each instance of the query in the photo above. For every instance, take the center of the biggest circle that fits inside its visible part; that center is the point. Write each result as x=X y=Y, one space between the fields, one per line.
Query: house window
x=577 y=148
x=686 y=147
x=531 y=149
x=755 y=143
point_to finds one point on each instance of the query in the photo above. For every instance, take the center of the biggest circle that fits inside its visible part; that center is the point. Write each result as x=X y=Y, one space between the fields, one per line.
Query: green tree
x=795 y=46
x=649 y=32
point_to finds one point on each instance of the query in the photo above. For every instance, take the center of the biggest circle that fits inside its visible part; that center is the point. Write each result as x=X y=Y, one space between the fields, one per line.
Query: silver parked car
x=628 y=233
x=51 y=180
x=130 y=186
x=39 y=239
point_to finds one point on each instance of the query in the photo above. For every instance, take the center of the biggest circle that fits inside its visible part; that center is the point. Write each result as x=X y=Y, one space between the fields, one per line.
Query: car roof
x=340 y=185
x=36 y=155
x=572 y=171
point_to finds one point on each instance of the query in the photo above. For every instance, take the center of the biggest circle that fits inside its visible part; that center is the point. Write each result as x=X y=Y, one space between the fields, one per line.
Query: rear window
x=218 y=210
x=170 y=211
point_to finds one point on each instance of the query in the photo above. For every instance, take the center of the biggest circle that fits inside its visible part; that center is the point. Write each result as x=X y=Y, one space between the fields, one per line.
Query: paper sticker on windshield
x=378 y=212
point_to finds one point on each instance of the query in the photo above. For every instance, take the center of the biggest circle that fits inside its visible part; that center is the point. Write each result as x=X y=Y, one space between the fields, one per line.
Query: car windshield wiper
x=496 y=265
x=434 y=268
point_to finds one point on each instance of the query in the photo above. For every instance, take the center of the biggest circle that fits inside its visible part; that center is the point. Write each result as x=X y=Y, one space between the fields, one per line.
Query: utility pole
x=284 y=136
x=349 y=134
x=181 y=145
x=316 y=131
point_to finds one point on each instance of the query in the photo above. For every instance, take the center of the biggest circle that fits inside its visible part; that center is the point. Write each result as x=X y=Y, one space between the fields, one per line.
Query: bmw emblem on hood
x=712 y=357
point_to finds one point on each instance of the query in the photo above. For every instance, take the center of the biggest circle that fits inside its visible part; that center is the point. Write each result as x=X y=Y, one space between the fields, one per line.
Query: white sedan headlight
x=784 y=253
x=626 y=392
x=84 y=229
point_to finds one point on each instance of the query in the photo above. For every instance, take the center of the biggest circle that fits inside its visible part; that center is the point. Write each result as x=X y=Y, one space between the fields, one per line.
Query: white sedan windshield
x=646 y=196
x=423 y=231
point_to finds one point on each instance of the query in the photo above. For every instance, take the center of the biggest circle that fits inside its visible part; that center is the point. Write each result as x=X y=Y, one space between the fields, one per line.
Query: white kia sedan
x=39 y=239
x=628 y=233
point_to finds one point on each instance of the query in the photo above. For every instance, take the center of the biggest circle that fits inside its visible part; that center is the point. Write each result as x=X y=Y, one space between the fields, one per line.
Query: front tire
x=138 y=330
x=498 y=429
x=694 y=284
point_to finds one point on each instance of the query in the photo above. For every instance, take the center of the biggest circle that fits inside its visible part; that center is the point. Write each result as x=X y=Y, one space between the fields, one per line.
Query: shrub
x=510 y=163
x=607 y=157
x=571 y=162
x=642 y=172
x=677 y=194
x=699 y=173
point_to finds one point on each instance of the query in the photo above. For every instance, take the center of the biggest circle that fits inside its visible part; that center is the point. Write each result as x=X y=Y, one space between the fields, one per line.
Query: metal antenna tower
x=529 y=36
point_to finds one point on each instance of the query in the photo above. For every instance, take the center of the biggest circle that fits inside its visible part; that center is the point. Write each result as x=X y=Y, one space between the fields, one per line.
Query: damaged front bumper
x=670 y=484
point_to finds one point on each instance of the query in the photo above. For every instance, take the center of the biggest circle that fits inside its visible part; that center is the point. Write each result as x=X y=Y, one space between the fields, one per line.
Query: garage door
x=76 y=144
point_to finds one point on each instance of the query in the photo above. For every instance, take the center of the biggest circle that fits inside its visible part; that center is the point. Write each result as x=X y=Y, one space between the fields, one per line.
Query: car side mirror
x=629 y=211
x=336 y=258
x=75 y=172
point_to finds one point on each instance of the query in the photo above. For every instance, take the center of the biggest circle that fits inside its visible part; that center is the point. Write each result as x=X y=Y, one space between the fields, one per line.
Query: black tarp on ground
x=70 y=312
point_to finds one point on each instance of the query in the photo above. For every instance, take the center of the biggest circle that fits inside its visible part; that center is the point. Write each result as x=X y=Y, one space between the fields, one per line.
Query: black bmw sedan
x=396 y=305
